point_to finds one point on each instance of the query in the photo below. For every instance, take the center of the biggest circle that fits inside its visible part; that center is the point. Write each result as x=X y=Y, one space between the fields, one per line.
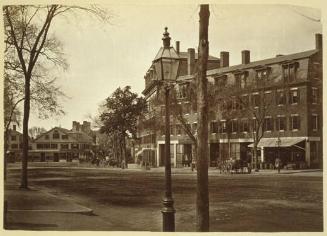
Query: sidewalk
x=33 y=207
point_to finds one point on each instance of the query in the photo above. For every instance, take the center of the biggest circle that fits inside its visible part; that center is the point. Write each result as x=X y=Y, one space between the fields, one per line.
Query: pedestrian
x=278 y=164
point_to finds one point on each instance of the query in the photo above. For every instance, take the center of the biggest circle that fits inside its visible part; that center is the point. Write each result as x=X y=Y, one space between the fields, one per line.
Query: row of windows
x=15 y=146
x=244 y=125
x=289 y=72
x=256 y=99
x=62 y=146
x=56 y=135
x=179 y=130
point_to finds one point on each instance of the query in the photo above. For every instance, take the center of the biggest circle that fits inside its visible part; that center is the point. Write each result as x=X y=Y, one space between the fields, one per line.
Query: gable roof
x=269 y=61
x=58 y=128
x=80 y=137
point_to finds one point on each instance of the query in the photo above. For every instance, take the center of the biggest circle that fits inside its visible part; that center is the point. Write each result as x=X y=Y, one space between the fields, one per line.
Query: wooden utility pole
x=202 y=197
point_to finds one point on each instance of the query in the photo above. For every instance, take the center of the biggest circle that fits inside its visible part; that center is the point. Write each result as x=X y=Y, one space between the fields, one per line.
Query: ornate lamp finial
x=166 y=38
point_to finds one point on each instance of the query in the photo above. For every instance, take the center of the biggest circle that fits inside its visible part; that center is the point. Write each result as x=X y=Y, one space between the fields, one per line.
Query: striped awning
x=273 y=142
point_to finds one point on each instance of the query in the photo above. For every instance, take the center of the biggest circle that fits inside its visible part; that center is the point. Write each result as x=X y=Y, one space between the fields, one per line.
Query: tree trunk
x=24 y=181
x=5 y=159
x=123 y=148
x=202 y=199
x=255 y=155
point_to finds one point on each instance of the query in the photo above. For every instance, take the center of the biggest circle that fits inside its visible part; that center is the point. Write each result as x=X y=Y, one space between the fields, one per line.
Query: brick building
x=292 y=126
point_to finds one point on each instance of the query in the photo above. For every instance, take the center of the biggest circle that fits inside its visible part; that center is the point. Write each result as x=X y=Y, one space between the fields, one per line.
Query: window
x=64 y=136
x=221 y=81
x=256 y=99
x=186 y=108
x=281 y=99
x=268 y=98
x=281 y=123
x=294 y=96
x=178 y=130
x=64 y=146
x=295 y=122
x=314 y=95
x=214 y=127
x=289 y=72
x=241 y=79
x=182 y=91
x=223 y=126
x=314 y=122
x=172 y=130
x=55 y=135
x=74 y=146
x=194 y=127
x=54 y=146
x=234 y=126
x=46 y=137
x=244 y=103
x=268 y=125
x=234 y=103
x=13 y=138
x=244 y=125
x=14 y=146
x=262 y=75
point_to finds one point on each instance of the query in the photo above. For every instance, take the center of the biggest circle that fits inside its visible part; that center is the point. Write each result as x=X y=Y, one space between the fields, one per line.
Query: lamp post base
x=168 y=215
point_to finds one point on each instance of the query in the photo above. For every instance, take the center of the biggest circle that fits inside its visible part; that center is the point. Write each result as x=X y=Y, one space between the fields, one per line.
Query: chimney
x=75 y=126
x=224 y=59
x=245 y=57
x=14 y=127
x=177 y=46
x=190 y=61
x=86 y=127
x=318 y=41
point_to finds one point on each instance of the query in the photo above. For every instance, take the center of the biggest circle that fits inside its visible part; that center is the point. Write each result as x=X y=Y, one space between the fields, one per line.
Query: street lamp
x=166 y=64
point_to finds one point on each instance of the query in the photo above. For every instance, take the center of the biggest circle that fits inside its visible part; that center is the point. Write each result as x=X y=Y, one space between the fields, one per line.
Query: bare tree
x=35 y=131
x=34 y=48
x=252 y=101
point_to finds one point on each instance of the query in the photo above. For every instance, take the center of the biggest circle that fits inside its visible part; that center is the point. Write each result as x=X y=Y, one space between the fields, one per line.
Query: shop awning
x=273 y=142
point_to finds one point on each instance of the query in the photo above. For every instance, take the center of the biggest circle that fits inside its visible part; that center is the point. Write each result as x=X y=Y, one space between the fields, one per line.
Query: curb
x=87 y=211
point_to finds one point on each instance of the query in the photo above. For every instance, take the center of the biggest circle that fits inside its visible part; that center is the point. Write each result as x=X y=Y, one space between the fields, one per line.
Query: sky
x=105 y=56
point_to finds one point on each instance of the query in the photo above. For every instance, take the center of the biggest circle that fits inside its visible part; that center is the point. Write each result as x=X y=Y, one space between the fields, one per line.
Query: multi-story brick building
x=292 y=126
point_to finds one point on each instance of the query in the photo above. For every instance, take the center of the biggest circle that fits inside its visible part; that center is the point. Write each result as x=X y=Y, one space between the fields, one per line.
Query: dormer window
x=289 y=72
x=262 y=74
x=241 y=79
x=55 y=135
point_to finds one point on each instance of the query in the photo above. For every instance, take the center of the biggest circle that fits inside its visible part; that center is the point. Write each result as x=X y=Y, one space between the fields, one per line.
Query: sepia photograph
x=162 y=117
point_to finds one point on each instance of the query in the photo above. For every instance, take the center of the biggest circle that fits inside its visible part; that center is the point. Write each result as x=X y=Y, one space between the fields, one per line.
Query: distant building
x=293 y=81
x=59 y=144
x=15 y=145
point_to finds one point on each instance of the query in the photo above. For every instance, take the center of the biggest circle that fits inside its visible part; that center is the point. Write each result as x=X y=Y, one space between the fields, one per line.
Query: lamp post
x=166 y=65
x=278 y=142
